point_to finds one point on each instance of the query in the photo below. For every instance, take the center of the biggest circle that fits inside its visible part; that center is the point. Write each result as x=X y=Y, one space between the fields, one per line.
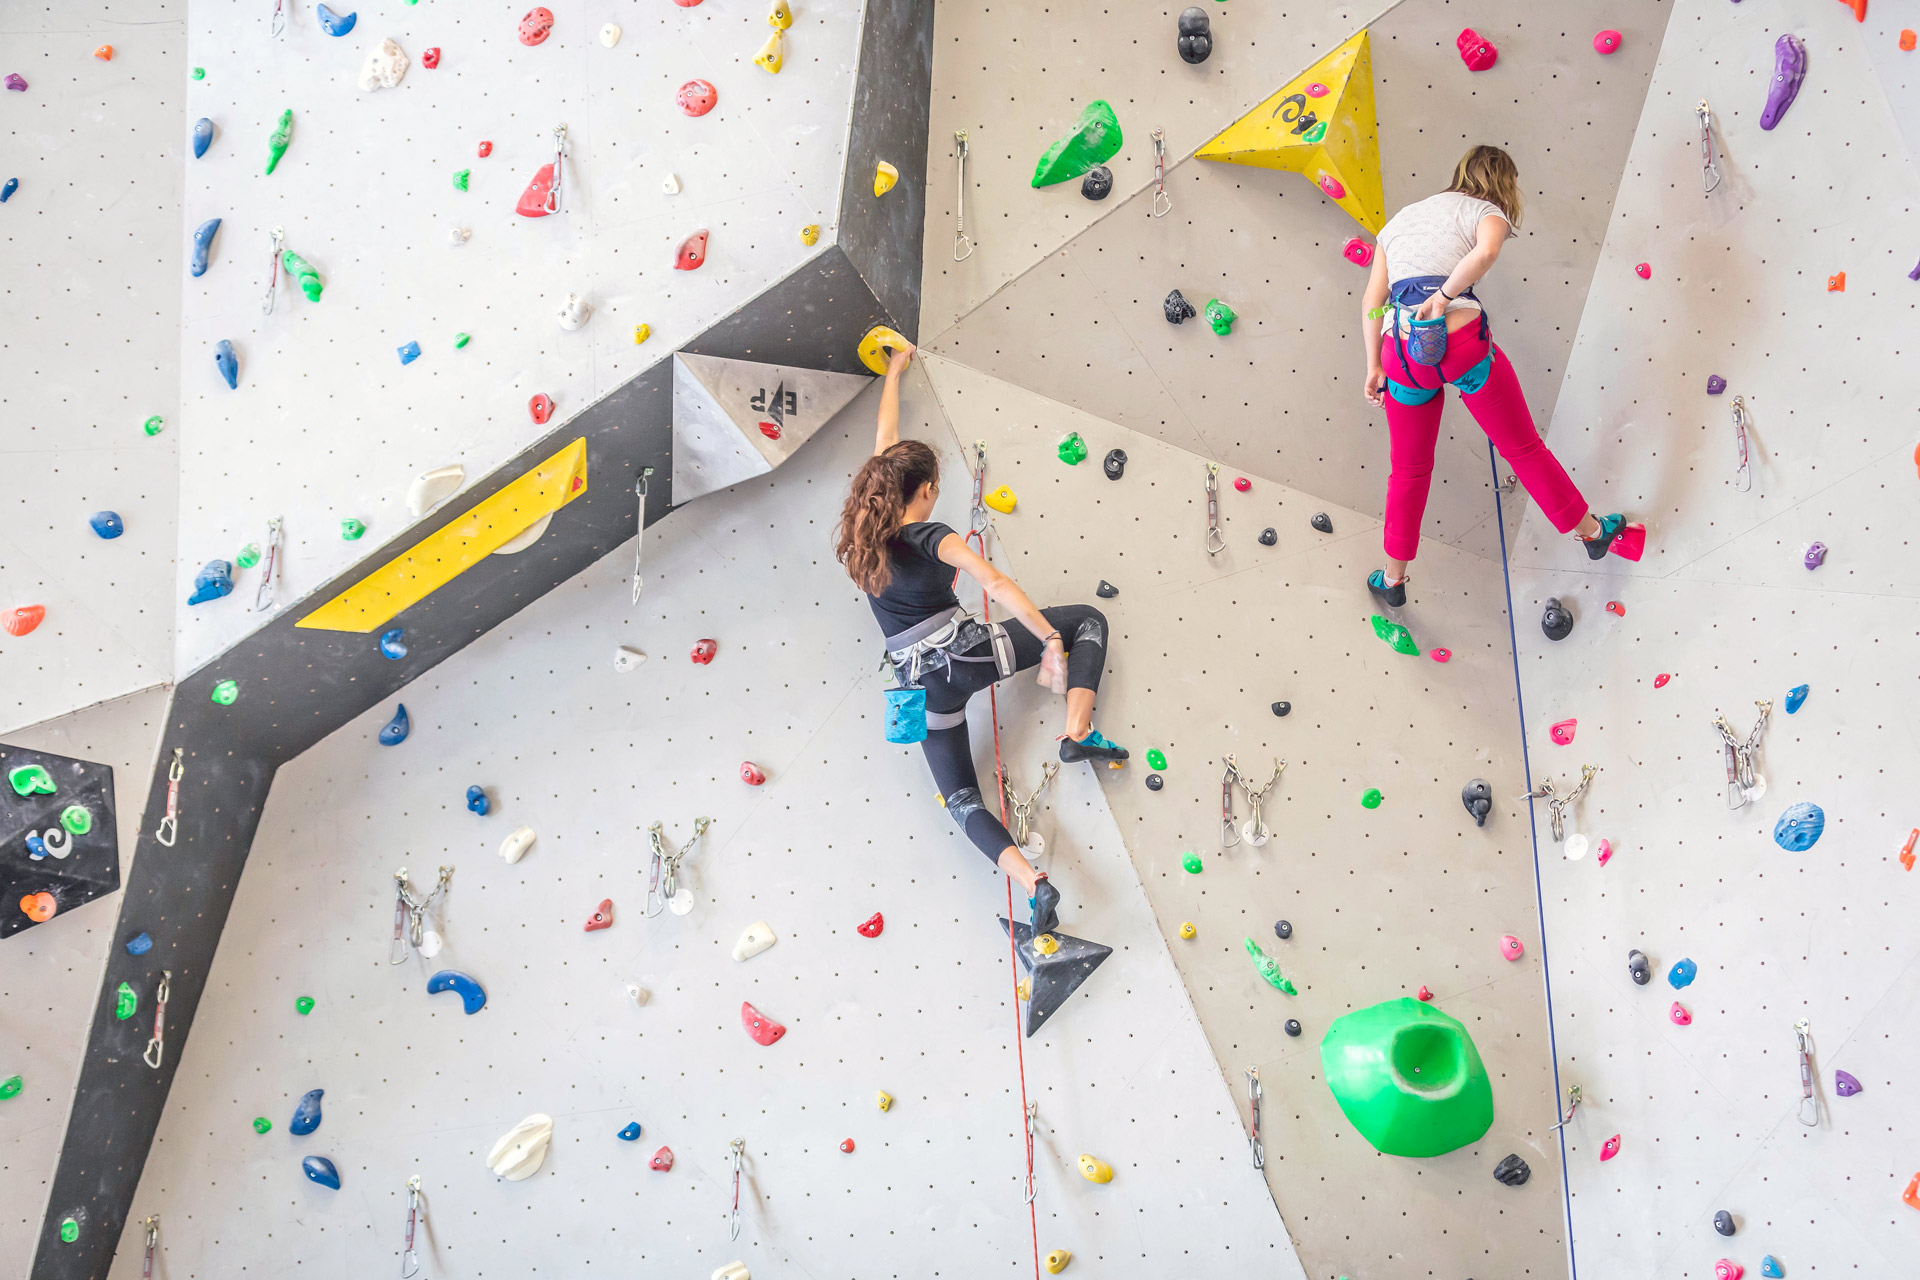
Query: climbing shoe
x=1609 y=526
x=1391 y=597
x=1091 y=747
x=1045 y=905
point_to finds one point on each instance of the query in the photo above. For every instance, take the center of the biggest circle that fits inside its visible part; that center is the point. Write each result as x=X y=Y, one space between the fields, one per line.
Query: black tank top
x=922 y=584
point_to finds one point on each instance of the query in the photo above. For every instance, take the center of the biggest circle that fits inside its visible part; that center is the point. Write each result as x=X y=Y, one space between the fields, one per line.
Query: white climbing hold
x=515 y=846
x=384 y=67
x=757 y=938
x=525 y=538
x=521 y=1150
x=573 y=312
x=430 y=943
x=626 y=658
x=434 y=487
x=732 y=1271
x=457 y=236
x=636 y=993
x=610 y=34
x=1575 y=847
x=671 y=186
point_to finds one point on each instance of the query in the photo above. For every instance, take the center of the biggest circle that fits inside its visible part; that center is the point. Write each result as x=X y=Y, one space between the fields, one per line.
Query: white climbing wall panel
x=1722 y=602
x=326 y=424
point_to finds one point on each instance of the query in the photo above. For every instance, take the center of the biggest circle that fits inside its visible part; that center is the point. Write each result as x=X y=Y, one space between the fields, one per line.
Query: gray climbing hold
x=1512 y=1171
x=1639 y=968
x=1098 y=183
x=1268 y=537
x=1178 y=309
x=1321 y=522
x=1477 y=795
x=203 y=245
x=1155 y=782
x=1292 y=1026
x=1556 y=620
x=202 y=136
x=1106 y=590
x=1195 y=40
x=1723 y=1223
x=1282 y=708
x=1115 y=464
x=1282 y=929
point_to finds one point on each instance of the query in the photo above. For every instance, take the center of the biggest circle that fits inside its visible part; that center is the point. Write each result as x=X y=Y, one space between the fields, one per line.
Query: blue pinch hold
x=306 y=1114
x=393 y=644
x=1770 y=1266
x=227 y=363
x=335 y=24
x=1796 y=698
x=320 y=1169
x=477 y=801
x=36 y=847
x=631 y=1133
x=139 y=944
x=1682 y=974
x=202 y=136
x=395 y=731
x=203 y=245
x=472 y=994
x=107 y=524
x=409 y=352
x=212 y=582
x=6 y=191
x=1799 y=827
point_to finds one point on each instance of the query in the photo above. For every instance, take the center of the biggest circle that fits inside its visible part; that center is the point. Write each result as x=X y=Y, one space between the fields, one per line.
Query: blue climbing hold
x=202 y=136
x=226 y=362
x=1796 y=698
x=335 y=24
x=409 y=353
x=472 y=994
x=212 y=582
x=393 y=644
x=107 y=524
x=139 y=944
x=6 y=192
x=631 y=1133
x=1682 y=974
x=1770 y=1266
x=203 y=245
x=306 y=1114
x=36 y=847
x=320 y=1169
x=477 y=801
x=394 y=732
x=1799 y=827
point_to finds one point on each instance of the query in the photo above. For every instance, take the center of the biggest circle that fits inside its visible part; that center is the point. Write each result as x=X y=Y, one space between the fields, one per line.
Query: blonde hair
x=1487 y=173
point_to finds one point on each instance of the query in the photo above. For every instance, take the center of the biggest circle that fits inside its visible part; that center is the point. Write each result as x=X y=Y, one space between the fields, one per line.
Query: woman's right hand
x=1053 y=666
x=1376 y=386
x=899 y=358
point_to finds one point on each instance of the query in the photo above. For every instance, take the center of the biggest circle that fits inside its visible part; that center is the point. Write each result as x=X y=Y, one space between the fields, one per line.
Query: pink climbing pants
x=1498 y=406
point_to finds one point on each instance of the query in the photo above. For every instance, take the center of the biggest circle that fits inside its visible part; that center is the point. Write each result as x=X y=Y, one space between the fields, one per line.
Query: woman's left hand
x=1053 y=667
x=1432 y=309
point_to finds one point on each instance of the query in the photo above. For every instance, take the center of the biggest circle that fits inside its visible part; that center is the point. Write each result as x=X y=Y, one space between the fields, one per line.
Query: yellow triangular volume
x=1338 y=148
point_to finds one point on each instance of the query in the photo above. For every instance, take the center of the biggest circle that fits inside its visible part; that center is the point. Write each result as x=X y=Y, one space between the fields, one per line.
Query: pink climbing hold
x=534 y=201
x=704 y=650
x=1617 y=609
x=697 y=97
x=541 y=407
x=1728 y=1269
x=23 y=619
x=1357 y=251
x=692 y=253
x=536 y=26
x=751 y=774
x=1317 y=90
x=763 y=1029
x=486 y=149
x=431 y=58
x=662 y=1161
x=1606 y=41
x=1644 y=270
x=1423 y=993
x=602 y=918
x=1610 y=1148
x=1242 y=484
x=1476 y=50
x=1660 y=681
x=871 y=927
x=846 y=1145
x=686 y=4
x=1562 y=731
x=1331 y=185
x=1606 y=852
x=1680 y=1016
x=1631 y=542
x=16 y=82
x=1440 y=655
x=1510 y=947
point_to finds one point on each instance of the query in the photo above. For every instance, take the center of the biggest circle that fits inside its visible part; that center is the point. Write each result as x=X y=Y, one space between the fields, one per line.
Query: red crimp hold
x=1475 y=50
x=692 y=252
x=1331 y=185
x=431 y=58
x=22 y=620
x=1610 y=1148
x=872 y=927
x=1617 y=609
x=1561 y=731
x=662 y=1160
x=846 y=1145
x=1631 y=542
x=1906 y=850
x=1644 y=270
x=541 y=407
x=763 y=1029
x=751 y=774
x=1859 y=8
x=1423 y=993
x=1440 y=655
x=703 y=651
x=771 y=430
x=1242 y=484
x=1660 y=681
x=602 y=918
x=486 y=149
x=1357 y=251
x=533 y=201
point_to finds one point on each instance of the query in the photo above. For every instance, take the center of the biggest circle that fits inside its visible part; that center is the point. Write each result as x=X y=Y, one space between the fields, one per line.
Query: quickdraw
x=1253 y=1129
x=1573 y=1105
x=736 y=1154
x=1709 y=171
x=156 y=1047
x=1558 y=804
x=269 y=563
x=1743 y=474
x=1162 y=202
x=1229 y=832
x=980 y=518
x=1215 y=542
x=273 y=270
x=1033 y=1117
x=960 y=241
x=1809 y=1110
x=559 y=156
x=640 y=527
x=409 y=1259
x=153 y=1238
x=278 y=22
x=170 y=825
x=1022 y=810
x=663 y=879
x=410 y=916
x=1255 y=831
x=1744 y=781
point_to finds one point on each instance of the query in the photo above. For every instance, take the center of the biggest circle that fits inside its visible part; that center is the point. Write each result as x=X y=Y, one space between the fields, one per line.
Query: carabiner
x=414 y=1215
x=1215 y=542
x=1229 y=833
x=1709 y=171
x=559 y=154
x=153 y=1237
x=1253 y=1129
x=170 y=825
x=1743 y=474
x=736 y=1154
x=273 y=270
x=156 y=1047
x=640 y=527
x=960 y=240
x=1809 y=1110
x=1162 y=202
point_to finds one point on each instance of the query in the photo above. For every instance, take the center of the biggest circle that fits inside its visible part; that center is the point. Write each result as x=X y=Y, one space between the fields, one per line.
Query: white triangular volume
x=736 y=419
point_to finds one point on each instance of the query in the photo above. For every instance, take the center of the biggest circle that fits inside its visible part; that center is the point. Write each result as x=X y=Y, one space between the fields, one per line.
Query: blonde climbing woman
x=1422 y=328
x=905 y=562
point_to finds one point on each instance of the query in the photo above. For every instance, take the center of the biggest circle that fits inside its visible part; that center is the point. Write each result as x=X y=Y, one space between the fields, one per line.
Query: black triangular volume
x=1057 y=976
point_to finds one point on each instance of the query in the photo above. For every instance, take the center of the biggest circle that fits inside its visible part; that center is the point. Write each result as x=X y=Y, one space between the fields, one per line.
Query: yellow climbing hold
x=810 y=234
x=1057 y=1261
x=1285 y=132
x=1001 y=499
x=1046 y=944
x=1095 y=1170
x=1187 y=930
x=874 y=347
x=1023 y=989
x=780 y=17
x=884 y=1100
x=884 y=176
x=772 y=54
x=641 y=332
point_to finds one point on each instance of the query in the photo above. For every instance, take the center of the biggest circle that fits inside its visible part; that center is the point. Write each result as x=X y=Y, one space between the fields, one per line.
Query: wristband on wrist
x=1052 y=635
x=1450 y=297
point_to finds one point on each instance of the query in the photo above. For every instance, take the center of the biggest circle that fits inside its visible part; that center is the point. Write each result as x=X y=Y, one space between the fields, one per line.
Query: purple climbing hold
x=1816 y=555
x=1789 y=68
x=1845 y=1084
x=15 y=83
x=1715 y=384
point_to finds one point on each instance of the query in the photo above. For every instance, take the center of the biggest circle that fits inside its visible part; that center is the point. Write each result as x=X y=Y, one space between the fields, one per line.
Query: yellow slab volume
x=1339 y=151
x=457 y=546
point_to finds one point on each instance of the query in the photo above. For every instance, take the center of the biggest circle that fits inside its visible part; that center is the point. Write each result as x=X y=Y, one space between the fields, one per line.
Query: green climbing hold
x=1408 y=1077
x=303 y=1006
x=1073 y=450
x=261 y=1124
x=200 y=73
x=30 y=780
x=1191 y=861
x=278 y=140
x=225 y=692
x=460 y=179
x=1095 y=140
x=1316 y=133
x=11 y=1086
x=248 y=556
x=1371 y=798
x=351 y=529
x=1396 y=635
x=69 y=1231
x=1220 y=316
x=153 y=425
x=1155 y=758
x=77 y=819
x=461 y=339
x=300 y=270
x=1269 y=968
x=125 y=1002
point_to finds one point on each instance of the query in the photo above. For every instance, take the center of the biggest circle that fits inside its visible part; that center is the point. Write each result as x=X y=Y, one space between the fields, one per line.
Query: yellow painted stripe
x=457 y=546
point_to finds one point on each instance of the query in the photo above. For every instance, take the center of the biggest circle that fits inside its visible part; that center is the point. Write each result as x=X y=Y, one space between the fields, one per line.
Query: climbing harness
x=156 y=1047
x=960 y=240
x=1709 y=171
x=1022 y=810
x=736 y=1152
x=170 y=825
x=663 y=880
x=269 y=563
x=1253 y=1129
x=1255 y=830
x=559 y=154
x=1558 y=804
x=1424 y=342
x=153 y=1237
x=410 y=915
x=1744 y=783
x=1809 y=1111
x=1743 y=476
x=1215 y=543
x=1162 y=202
x=278 y=22
x=1229 y=833
x=273 y=270
x=410 y=1260
x=640 y=526
x=1573 y=1105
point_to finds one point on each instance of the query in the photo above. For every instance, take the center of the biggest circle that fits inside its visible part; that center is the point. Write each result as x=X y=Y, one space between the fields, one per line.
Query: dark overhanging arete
x=296 y=685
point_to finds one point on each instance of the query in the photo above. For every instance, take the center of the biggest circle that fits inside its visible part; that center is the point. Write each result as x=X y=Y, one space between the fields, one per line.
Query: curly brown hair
x=876 y=508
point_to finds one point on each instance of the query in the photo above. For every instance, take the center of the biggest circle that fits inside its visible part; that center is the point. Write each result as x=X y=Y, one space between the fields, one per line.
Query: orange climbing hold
x=1837 y=282
x=1907 y=40
x=1906 y=850
x=1859 y=8
x=104 y=53
x=22 y=620
x=39 y=907
x=1912 y=1194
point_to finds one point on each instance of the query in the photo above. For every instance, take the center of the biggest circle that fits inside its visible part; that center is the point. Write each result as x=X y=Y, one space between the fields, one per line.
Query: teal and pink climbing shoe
x=1091 y=747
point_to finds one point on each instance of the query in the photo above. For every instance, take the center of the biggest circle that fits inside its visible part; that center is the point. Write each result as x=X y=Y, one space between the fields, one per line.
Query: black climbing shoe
x=1609 y=526
x=1045 y=905
x=1390 y=596
x=1091 y=747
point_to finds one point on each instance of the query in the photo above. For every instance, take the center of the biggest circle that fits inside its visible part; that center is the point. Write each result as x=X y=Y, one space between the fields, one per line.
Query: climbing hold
x=1267 y=967
x=1476 y=51
x=460 y=176
x=40 y=907
x=703 y=651
x=1681 y=1018
x=1610 y=1148
x=154 y=425
x=247 y=557
x=278 y=140
x=473 y=997
x=202 y=245
x=1510 y=947
x=432 y=488
x=1556 y=620
x=1001 y=499
x=1606 y=852
x=1190 y=862
x=1644 y=270
x=1098 y=183
x=1606 y=42
x=1440 y=655
x=212 y=582
x=302 y=273
x=1770 y=1265
x=1331 y=185
x=515 y=846
x=139 y=944
x=6 y=191
x=332 y=23
x=1837 y=283
x=1561 y=731
x=1194 y=39
x=394 y=732
x=1291 y=1026
x=1723 y=1222
x=779 y=16
x=641 y=332
x=631 y=1133
x=1095 y=140
x=1072 y=449
x=1408 y=1077
x=429 y=58
x=1660 y=681
x=846 y=1145
x=1282 y=929
x=696 y=97
x=521 y=1150
x=573 y=312
x=1907 y=40
x=1477 y=796
x=1057 y=1260
x=1187 y=930
x=1106 y=590
x=1242 y=485
x=1681 y=976
x=104 y=53
x=1799 y=827
x=303 y=1005
x=1156 y=759
x=306 y=1113
x=1845 y=1084
x=692 y=252
x=1816 y=555
x=1282 y=708
x=125 y=1002
x=1220 y=316
x=320 y=1169
x=1395 y=636
x=871 y=928
x=601 y=918
x=227 y=363
x=540 y=408
x=1155 y=782
x=107 y=524
x=1268 y=536
x=384 y=67
x=10 y=1087
x=883 y=1100
x=1617 y=609
x=30 y=779
x=876 y=347
x=1095 y=1170
x=751 y=773
x=662 y=1161
x=670 y=184
x=1715 y=384
x=1789 y=68
x=16 y=82
x=772 y=57
x=884 y=176
x=1512 y=1171
x=1639 y=968
x=757 y=937
x=810 y=234
x=225 y=692
x=763 y=1029
x=1727 y=1269
x=1358 y=252
x=477 y=801
x=1178 y=309
x=536 y=26
x=351 y=529
x=1115 y=464
x=539 y=199
x=1796 y=698
x=1371 y=798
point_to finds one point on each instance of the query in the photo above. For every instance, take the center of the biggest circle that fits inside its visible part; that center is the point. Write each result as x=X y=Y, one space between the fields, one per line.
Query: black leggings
x=1083 y=630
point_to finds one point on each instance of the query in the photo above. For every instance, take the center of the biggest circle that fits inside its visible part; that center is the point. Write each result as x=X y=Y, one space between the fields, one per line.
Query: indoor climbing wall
x=1702 y=1082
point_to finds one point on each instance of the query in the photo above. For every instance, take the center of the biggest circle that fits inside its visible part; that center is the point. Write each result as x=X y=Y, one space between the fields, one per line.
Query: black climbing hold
x=1178 y=309
x=1106 y=590
x=1321 y=522
x=1293 y=1026
x=1268 y=537
x=1478 y=797
x=1196 y=35
x=1723 y=1223
x=1097 y=183
x=1115 y=464
x=1512 y=1171
x=1556 y=621
x=1155 y=782
x=1281 y=708
x=1282 y=929
x=1638 y=966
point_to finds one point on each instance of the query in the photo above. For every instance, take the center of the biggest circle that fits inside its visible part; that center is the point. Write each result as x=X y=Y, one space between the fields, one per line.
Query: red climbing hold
x=536 y=27
x=1561 y=731
x=1423 y=993
x=662 y=1160
x=1660 y=681
x=872 y=928
x=1242 y=484
x=1837 y=283
x=541 y=407
x=1358 y=252
x=763 y=1029
x=704 y=650
x=771 y=430
x=697 y=97
x=1617 y=609
x=1475 y=50
x=751 y=774
x=846 y=1145
x=1907 y=40
x=1606 y=42
x=24 y=619
x=1631 y=542
x=431 y=58
x=692 y=252
x=1606 y=852
x=486 y=149
x=534 y=200
x=1610 y=1148
x=602 y=918
x=1644 y=270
